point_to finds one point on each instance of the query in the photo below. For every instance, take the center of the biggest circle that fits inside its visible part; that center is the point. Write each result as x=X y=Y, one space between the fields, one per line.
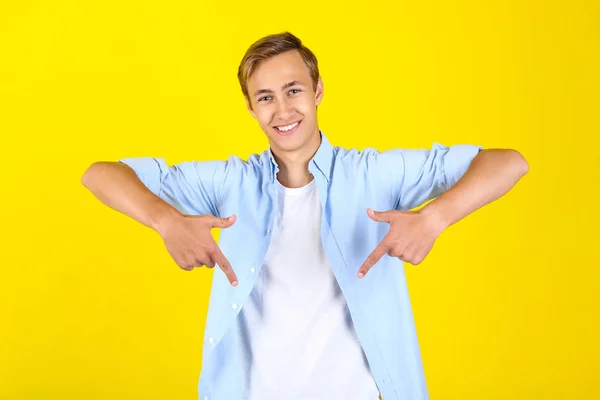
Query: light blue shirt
x=348 y=181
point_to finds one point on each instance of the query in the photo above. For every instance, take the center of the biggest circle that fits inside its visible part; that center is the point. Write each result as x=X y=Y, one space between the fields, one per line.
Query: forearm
x=117 y=186
x=492 y=174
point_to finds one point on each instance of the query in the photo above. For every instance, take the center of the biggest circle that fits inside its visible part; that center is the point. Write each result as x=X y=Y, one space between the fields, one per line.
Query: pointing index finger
x=220 y=259
x=372 y=259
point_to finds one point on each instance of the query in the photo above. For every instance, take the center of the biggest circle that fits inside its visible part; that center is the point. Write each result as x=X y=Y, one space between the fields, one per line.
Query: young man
x=309 y=300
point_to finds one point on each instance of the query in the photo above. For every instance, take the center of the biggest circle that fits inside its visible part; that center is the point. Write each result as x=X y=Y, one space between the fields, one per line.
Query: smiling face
x=283 y=100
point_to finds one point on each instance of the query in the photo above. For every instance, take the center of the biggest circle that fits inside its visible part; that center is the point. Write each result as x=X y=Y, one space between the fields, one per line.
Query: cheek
x=306 y=106
x=264 y=116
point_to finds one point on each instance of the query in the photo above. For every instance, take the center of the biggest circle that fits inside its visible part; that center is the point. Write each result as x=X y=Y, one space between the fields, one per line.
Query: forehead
x=278 y=70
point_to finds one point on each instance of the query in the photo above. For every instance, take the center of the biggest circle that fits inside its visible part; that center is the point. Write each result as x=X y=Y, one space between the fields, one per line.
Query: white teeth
x=288 y=127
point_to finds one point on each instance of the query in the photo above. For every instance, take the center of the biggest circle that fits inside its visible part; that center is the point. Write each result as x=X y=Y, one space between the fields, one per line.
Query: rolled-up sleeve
x=419 y=175
x=192 y=187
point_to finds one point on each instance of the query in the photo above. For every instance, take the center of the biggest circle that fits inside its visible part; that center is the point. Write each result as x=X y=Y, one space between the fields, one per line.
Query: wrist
x=162 y=217
x=438 y=218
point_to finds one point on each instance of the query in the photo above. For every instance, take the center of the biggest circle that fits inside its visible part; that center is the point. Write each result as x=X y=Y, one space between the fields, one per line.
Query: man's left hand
x=410 y=238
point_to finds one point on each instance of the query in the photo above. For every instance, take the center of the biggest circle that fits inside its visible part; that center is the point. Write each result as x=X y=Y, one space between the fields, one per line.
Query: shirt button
x=252 y=269
x=234 y=306
x=211 y=340
x=205 y=397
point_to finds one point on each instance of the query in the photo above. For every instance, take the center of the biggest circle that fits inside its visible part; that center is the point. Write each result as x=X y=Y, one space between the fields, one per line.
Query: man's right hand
x=188 y=238
x=190 y=243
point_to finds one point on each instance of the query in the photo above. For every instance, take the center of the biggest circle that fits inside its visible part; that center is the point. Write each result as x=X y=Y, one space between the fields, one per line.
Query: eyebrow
x=287 y=85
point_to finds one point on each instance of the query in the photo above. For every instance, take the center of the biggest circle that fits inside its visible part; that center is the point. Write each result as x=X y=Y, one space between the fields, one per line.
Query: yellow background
x=92 y=306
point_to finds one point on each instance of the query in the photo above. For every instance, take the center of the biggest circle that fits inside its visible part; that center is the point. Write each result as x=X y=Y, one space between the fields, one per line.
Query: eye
x=264 y=98
x=295 y=90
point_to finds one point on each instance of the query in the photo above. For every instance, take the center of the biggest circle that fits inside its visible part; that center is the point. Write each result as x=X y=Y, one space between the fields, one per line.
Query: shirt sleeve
x=193 y=188
x=419 y=175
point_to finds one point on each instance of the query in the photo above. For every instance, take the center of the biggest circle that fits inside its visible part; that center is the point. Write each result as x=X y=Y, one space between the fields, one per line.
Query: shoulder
x=353 y=157
x=253 y=162
x=254 y=167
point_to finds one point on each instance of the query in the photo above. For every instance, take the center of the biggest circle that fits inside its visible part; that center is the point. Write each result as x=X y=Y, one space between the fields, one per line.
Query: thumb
x=216 y=222
x=378 y=215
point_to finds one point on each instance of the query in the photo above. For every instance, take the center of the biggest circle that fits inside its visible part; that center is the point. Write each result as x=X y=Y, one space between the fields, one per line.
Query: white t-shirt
x=297 y=335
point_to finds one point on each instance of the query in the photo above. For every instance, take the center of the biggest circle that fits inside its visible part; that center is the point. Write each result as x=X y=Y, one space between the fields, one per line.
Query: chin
x=287 y=146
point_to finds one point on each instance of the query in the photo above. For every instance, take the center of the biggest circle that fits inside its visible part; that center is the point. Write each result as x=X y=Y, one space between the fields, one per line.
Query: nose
x=284 y=110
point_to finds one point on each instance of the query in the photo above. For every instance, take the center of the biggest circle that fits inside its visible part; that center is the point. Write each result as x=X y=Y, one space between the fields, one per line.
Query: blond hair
x=271 y=46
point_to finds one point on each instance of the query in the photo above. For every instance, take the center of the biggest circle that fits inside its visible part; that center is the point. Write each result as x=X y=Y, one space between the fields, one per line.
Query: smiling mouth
x=287 y=129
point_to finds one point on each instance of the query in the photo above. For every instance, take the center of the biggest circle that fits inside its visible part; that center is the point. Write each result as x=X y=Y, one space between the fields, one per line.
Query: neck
x=293 y=166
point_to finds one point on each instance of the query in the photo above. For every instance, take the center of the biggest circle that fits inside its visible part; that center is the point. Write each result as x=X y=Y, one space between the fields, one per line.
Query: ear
x=319 y=92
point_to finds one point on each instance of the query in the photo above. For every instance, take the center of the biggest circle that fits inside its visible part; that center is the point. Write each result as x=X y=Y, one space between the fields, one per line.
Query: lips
x=286 y=130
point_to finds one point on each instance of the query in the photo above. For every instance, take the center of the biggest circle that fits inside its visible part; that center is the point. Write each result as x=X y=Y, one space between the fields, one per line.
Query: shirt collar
x=321 y=160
